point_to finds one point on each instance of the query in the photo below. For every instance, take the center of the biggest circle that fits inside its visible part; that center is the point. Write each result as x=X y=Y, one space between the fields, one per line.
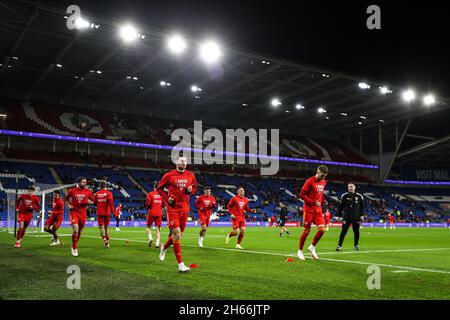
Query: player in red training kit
x=327 y=216
x=104 y=201
x=237 y=207
x=77 y=200
x=205 y=204
x=312 y=195
x=55 y=218
x=154 y=203
x=392 y=220
x=180 y=184
x=25 y=205
x=118 y=215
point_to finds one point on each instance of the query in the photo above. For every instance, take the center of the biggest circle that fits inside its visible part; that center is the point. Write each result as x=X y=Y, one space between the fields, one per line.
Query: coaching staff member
x=351 y=209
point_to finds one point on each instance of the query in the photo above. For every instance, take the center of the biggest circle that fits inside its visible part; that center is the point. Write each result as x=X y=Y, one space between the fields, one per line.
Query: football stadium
x=146 y=163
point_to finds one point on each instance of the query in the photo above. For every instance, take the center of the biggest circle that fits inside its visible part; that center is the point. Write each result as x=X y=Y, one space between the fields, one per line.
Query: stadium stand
x=27 y=116
x=265 y=194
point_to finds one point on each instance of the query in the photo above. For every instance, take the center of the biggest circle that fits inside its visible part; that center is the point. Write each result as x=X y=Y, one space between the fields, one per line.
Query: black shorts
x=282 y=223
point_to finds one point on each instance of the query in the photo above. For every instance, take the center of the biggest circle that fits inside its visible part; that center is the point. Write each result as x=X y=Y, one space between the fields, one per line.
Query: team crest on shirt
x=319 y=188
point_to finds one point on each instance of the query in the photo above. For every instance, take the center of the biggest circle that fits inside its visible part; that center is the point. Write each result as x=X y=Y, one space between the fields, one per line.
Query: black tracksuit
x=351 y=209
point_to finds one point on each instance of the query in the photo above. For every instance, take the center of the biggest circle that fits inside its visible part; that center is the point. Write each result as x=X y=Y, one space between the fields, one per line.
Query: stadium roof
x=42 y=59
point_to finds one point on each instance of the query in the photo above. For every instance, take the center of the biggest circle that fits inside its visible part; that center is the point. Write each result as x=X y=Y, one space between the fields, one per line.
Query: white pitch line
x=293 y=255
x=386 y=251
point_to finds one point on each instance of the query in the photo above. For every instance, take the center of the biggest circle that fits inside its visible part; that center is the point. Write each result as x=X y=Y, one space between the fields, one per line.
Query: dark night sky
x=409 y=50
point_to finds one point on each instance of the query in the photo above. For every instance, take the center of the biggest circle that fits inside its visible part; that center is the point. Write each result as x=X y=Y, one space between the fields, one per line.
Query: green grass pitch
x=414 y=264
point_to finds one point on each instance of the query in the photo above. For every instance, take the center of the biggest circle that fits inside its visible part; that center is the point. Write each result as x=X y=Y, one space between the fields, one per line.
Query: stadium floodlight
x=176 y=44
x=3 y=116
x=321 y=110
x=364 y=85
x=195 y=88
x=135 y=78
x=15 y=58
x=328 y=118
x=81 y=23
x=275 y=102
x=210 y=52
x=59 y=65
x=360 y=123
x=381 y=120
x=429 y=99
x=298 y=106
x=344 y=114
x=288 y=111
x=244 y=104
x=162 y=83
x=384 y=90
x=363 y=117
x=128 y=33
x=408 y=95
x=98 y=72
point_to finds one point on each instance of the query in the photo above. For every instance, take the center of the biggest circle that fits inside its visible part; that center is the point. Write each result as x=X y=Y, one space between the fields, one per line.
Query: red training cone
x=193 y=266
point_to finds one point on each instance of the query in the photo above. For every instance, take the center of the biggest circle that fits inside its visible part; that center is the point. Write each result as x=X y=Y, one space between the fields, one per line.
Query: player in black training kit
x=283 y=218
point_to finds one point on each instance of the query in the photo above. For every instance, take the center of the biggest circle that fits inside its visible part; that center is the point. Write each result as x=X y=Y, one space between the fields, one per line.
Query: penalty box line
x=293 y=255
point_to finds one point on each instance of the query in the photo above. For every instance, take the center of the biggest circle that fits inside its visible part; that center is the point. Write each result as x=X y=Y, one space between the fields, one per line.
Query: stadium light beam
x=210 y=52
x=128 y=33
x=385 y=90
x=429 y=100
x=364 y=85
x=176 y=44
x=81 y=23
x=275 y=102
x=409 y=95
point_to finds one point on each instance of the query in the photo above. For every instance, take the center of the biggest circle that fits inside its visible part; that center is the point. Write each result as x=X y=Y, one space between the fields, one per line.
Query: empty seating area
x=43 y=118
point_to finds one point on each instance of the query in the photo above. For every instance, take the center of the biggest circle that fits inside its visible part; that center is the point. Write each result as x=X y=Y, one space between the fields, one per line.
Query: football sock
x=20 y=234
x=75 y=238
x=317 y=237
x=168 y=243
x=241 y=236
x=303 y=239
x=177 y=250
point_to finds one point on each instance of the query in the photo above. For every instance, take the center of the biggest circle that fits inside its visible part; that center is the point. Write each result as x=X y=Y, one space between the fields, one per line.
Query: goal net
x=45 y=192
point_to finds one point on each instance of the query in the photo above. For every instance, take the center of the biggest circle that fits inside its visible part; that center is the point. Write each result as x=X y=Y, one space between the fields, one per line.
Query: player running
x=312 y=194
x=118 y=215
x=104 y=201
x=205 y=204
x=154 y=203
x=180 y=183
x=55 y=218
x=283 y=219
x=25 y=205
x=391 y=217
x=77 y=200
x=237 y=207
